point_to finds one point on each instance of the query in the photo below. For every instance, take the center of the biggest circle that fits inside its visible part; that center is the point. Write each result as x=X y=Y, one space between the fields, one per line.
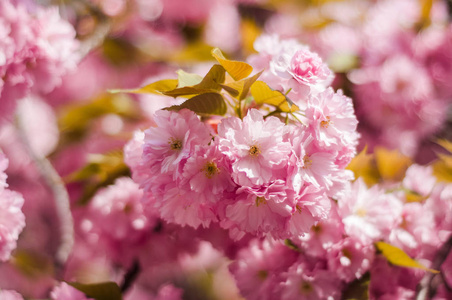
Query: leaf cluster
x=227 y=83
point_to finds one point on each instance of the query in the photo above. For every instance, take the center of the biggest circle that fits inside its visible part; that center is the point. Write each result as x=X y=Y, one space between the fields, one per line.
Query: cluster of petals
x=37 y=48
x=290 y=67
x=255 y=176
x=118 y=221
x=12 y=220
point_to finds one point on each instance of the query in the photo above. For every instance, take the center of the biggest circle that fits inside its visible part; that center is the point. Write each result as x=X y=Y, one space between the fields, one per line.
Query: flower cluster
x=37 y=48
x=342 y=249
x=12 y=220
x=254 y=175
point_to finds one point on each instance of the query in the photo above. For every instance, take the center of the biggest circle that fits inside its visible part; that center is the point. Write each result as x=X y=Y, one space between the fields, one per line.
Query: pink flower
x=255 y=147
x=308 y=68
x=368 y=214
x=37 y=48
x=208 y=172
x=290 y=66
x=304 y=283
x=332 y=121
x=118 y=221
x=10 y=295
x=169 y=144
x=66 y=292
x=311 y=207
x=258 y=270
x=12 y=220
x=261 y=211
x=350 y=259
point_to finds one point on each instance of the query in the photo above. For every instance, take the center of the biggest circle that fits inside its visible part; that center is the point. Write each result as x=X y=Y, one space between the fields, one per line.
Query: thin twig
x=130 y=276
x=60 y=194
x=426 y=288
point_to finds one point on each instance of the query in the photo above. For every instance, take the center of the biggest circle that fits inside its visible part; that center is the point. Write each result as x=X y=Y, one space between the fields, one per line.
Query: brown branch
x=60 y=194
x=427 y=287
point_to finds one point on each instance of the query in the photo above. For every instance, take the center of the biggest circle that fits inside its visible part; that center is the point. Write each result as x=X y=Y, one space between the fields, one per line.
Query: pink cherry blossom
x=304 y=283
x=10 y=295
x=118 y=221
x=368 y=214
x=259 y=269
x=255 y=147
x=350 y=259
x=12 y=220
x=308 y=68
x=37 y=47
x=66 y=292
x=168 y=145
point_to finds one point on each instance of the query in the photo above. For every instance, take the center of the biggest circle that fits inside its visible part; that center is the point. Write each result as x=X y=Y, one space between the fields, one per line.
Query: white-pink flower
x=255 y=147
x=368 y=214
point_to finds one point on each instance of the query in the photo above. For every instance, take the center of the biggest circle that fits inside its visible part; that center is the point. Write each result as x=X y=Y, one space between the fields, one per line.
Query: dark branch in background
x=130 y=276
x=60 y=195
x=449 y=8
x=428 y=285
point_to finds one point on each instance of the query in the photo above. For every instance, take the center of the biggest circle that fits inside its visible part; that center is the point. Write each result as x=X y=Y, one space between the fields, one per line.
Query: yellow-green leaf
x=442 y=168
x=239 y=89
x=204 y=105
x=99 y=291
x=398 y=257
x=445 y=144
x=237 y=69
x=391 y=164
x=262 y=93
x=363 y=165
x=32 y=264
x=157 y=87
x=210 y=83
x=187 y=79
x=101 y=171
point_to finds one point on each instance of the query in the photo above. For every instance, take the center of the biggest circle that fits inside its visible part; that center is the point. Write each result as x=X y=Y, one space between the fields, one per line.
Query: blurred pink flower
x=12 y=220
x=368 y=214
x=10 y=295
x=37 y=47
x=66 y=292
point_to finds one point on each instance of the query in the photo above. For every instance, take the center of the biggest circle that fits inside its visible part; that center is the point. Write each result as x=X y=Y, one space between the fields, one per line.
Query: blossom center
x=361 y=212
x=307 y=161
x=210 y=169
x=254 y=151
x=262 y=274
x=175 y=144
x=326 y=123
x=306 y=288
x=260 y=200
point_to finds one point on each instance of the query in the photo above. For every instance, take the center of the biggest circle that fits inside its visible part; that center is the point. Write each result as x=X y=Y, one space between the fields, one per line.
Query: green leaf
x=75 y=120
x=210 y=83
x=237 y=69
x=239 y=89
x=187 y=79
x=99 y=291
x=289 y=243
x=391 y=164
x=33 y=264
x=157 y=87
x=204 y=104
x=364 y=166
x=262 y=93
x=101 y=171
x=357 y=289
x=398 y=257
